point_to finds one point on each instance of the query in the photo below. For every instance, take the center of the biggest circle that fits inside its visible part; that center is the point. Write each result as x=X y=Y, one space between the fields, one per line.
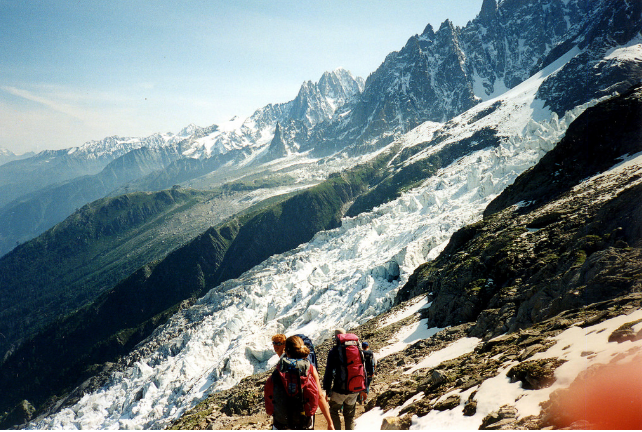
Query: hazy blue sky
x=74 y=71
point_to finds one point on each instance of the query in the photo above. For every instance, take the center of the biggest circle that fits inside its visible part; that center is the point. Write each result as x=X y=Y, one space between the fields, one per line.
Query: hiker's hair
x=278 y=338
x=295 y=348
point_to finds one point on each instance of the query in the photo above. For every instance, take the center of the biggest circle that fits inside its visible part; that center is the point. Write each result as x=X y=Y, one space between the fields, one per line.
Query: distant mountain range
x=8 y=156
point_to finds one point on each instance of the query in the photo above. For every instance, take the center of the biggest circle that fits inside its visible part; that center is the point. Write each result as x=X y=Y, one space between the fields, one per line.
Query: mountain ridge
x=96 y=161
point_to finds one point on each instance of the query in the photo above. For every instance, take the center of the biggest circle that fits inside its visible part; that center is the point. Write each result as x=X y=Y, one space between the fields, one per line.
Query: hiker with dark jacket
x=370 y=363
x=337 y=389
x=281 y=405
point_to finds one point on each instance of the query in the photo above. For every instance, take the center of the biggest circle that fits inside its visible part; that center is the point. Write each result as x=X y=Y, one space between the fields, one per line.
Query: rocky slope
x=511 y=287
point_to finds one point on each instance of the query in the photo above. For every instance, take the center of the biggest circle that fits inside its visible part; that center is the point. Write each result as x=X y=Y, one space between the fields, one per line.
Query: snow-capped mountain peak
x=317 y=102
x=314 y=103
x=188 y=130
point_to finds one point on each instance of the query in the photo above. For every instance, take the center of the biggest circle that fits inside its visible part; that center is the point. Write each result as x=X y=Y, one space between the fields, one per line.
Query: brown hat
x=339 y=331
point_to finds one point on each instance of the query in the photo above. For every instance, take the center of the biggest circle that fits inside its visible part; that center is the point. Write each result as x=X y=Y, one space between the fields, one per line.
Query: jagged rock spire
x=277 y=147
x=488 y=10
x=429 y=32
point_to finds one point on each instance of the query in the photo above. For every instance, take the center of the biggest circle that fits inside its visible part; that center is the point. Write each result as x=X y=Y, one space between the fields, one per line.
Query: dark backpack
x=291 y=394
x=312 y=357
x=353 y=374
x=369 y=361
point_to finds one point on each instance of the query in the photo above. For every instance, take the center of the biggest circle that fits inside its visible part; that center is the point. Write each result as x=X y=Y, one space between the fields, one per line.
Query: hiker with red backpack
x=345 y=377
x=293 y=391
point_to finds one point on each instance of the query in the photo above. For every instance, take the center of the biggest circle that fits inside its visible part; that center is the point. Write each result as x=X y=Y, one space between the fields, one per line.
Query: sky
x=72 y=71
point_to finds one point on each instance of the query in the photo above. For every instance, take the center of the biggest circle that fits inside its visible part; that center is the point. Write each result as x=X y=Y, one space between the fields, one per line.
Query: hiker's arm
x=323 y=403
x=329 y=371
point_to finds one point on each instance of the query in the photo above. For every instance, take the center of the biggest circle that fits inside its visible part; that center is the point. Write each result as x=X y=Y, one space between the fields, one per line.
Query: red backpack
x=351 y=360
x=291 y=394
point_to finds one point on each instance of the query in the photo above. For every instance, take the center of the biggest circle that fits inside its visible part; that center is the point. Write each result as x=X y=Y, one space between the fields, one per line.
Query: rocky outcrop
x=317 y=102
x=593 y=143
x=277 y=148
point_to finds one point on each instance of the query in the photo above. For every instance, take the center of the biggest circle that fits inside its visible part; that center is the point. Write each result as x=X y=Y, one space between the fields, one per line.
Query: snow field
x=412 y=306
x=407 y=336
x=580 y=347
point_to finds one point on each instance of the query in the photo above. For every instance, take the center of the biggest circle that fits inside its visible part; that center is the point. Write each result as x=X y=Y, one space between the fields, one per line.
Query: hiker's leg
x=336 y=402
x=349 y=407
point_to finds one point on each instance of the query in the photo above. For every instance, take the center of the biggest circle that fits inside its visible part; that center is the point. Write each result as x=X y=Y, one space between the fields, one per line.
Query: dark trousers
x=349 y=404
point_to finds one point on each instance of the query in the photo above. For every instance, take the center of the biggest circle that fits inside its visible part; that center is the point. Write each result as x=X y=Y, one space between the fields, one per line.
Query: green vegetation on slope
x=94 y=248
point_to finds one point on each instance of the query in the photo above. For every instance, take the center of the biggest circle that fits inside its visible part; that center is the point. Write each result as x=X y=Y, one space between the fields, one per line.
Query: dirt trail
x=321 y=424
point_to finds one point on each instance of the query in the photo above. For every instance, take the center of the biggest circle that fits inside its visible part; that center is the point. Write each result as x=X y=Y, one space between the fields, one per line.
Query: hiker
x=312 y=357
x=344 y=378
x=293 y=391
x=370 y=363
x=278 y=344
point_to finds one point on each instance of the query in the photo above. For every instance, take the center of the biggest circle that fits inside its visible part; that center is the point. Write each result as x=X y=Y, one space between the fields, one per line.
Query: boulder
x=535 y=374
x=392 y=423
x=447 y=404
x=626 y=333
x=500 y=419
